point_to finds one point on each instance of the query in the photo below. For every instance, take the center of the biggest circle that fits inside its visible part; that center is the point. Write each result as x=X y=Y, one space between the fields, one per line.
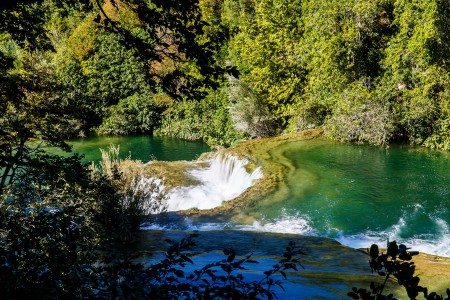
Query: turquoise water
x=356 y=194
x=141 y=147
x=362 y=194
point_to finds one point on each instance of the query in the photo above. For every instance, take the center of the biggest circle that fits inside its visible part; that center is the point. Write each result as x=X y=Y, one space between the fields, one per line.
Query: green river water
x=355 y=194
x=360 y=195
x=140 y=147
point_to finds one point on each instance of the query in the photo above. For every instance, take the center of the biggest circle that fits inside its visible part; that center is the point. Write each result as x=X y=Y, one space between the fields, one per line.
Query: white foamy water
x=283 y=226
x=287 y=224
x=437 y=243
x=224 y=179
x=185 y=225
x=152 y=190
x=291 y=225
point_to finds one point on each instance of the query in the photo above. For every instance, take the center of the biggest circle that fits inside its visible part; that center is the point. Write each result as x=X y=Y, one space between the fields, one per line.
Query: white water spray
x=224 y=179
x=437 y=243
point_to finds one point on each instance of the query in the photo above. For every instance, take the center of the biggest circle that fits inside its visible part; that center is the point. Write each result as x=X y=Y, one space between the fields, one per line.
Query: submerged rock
x=330 y=269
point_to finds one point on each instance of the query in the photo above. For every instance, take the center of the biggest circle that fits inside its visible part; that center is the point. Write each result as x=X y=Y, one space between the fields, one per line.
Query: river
x=356 y=194
x=141 y=147
x=360 y=195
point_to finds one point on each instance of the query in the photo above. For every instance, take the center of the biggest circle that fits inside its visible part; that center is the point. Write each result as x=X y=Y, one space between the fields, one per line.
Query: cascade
x=358 y=195
x=224 y=179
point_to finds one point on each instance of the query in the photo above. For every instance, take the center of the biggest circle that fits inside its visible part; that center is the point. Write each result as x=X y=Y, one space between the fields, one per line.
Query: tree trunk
x=12 y=161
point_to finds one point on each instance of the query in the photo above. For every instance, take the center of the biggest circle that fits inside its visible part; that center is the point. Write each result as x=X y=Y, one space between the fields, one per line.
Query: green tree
x=416 y=70
x=266 y=52
x=135 y=114
x=343 y=43
x=208 y=120
x=32 y=113
x=105 y=75
x=168 y=30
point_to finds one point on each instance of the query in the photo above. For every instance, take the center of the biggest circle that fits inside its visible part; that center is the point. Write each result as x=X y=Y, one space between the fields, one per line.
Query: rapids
x=355 y=194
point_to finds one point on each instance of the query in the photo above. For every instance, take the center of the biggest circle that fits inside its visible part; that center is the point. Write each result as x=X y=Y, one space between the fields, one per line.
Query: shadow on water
x=330 y=269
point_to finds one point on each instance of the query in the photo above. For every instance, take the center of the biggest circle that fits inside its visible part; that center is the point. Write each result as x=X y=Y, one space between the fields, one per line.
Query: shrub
x=440 y=138
x=360 y=116
x=138 y=194
x=248 y=112
x=135 y=114
x=207 y=120
x=395 y=263
x=46 y=238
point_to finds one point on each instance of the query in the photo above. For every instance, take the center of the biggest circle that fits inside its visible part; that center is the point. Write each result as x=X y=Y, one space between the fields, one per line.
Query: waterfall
x=224 y=179
x=148 y=194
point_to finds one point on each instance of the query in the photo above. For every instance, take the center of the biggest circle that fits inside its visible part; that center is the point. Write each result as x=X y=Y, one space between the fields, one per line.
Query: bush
x=440 y=138
x=360 y=116
x=395 y=263
x=249 y=113
x=138 y=194
x=58 y=226
x=135 y=114
x=207 y=120
x=46 y=240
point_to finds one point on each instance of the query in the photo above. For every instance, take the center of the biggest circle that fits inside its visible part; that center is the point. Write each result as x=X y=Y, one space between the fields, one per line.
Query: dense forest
x=225 y=70
x=214 y=70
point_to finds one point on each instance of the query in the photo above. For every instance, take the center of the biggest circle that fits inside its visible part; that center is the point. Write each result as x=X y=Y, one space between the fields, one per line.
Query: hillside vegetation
x=223 y=70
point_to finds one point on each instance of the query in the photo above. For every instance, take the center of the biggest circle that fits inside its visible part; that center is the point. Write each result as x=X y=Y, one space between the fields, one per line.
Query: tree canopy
x=367 y=72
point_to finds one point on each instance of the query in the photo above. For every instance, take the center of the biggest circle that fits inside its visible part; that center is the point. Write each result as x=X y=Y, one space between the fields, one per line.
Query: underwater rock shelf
x=330 y=269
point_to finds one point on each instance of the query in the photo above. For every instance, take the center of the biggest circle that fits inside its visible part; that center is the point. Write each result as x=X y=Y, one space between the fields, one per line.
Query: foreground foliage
x=170 y=279
x=395 y=263
x=63 y=243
